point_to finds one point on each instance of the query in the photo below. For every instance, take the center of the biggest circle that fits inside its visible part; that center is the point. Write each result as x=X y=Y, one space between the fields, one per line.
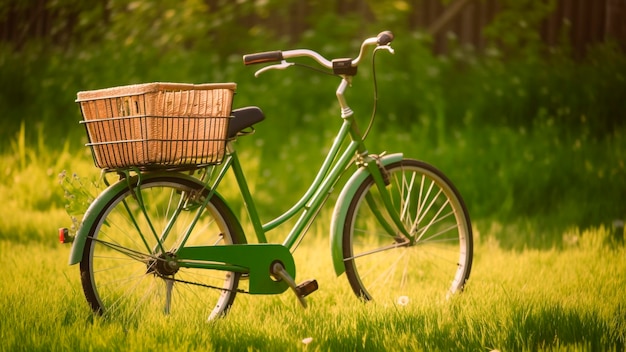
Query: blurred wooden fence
x=589 y=21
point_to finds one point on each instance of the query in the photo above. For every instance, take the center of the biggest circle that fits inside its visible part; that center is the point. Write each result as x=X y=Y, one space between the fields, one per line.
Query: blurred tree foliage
x=49 y=49
x=224 y=26
x=515 y=30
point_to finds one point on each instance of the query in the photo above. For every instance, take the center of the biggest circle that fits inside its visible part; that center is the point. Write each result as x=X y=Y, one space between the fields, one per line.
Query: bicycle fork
x=381 y=179
x=376 y=167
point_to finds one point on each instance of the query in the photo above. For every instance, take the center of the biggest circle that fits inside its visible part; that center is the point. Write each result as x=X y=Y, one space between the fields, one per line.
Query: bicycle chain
x=140 y=257
x=238 y=290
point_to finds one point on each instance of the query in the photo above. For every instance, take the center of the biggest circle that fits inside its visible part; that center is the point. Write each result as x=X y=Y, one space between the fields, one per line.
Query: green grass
x=532 y=288
x=568 y=299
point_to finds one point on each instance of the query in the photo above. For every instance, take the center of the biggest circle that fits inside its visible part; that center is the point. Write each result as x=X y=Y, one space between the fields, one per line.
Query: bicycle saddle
x=244 y=118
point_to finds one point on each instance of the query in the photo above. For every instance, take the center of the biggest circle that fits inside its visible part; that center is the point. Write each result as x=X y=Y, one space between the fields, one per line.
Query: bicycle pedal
x=307 y=287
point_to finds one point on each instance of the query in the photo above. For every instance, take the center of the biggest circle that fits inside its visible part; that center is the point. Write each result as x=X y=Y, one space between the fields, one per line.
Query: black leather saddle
x=242 y=119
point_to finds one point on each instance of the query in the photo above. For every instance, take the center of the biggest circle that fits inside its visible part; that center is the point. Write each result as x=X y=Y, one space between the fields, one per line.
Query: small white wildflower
x=307 y=340
x=403 y=300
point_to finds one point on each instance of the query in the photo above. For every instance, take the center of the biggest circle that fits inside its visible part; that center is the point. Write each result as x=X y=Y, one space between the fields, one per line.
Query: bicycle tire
x=386 y=268
x=122 y=268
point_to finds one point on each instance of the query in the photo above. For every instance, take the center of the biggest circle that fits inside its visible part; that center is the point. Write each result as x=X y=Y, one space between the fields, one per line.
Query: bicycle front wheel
x=128 y=268
x=381 y=262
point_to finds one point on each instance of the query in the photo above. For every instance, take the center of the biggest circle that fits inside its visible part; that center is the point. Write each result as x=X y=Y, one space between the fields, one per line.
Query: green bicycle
x=163 y=236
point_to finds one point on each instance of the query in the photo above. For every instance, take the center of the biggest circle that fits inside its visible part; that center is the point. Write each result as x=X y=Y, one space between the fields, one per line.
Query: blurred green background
x=519 y=102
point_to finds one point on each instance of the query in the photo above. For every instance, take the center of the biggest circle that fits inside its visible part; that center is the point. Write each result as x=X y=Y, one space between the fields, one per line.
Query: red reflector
x=63 y=235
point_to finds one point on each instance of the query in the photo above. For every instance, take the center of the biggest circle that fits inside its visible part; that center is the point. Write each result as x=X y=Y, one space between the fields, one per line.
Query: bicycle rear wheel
x=128 y=267
x=383 y=264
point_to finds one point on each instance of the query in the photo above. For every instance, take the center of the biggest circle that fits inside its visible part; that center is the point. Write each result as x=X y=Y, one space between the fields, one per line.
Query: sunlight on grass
x=531 y=288
x=569 y=299
x=32 y=194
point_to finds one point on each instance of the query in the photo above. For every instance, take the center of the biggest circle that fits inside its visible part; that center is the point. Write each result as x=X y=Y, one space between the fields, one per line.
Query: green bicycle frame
x=328 y=175
x=335 y=163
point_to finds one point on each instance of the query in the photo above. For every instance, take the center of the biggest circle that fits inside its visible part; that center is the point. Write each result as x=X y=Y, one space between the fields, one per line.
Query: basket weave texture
x=157 y=124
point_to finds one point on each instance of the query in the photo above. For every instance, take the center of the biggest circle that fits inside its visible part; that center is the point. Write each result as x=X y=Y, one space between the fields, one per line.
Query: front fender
x=341 y=210
x=104 y=199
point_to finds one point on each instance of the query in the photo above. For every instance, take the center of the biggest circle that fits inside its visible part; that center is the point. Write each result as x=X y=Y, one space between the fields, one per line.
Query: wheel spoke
x=378 y=250
x=406 y=202
x=433 y=220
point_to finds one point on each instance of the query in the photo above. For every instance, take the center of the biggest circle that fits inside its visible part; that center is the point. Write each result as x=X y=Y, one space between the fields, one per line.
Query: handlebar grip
x=259 y=58
x=384 y=38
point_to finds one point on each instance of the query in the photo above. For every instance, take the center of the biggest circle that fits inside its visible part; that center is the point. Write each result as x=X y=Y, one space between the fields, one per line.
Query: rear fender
x=104 y=199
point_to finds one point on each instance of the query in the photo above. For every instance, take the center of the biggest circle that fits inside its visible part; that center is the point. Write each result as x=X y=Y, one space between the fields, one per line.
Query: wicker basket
x=157 y=124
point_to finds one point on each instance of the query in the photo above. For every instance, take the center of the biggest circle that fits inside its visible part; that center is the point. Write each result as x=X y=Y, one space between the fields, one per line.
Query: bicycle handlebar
x=342 y=66
x=259 y=58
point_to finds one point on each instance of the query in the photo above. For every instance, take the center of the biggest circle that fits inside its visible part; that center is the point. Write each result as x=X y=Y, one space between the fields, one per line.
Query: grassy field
x=567 y=300
x=532 y=288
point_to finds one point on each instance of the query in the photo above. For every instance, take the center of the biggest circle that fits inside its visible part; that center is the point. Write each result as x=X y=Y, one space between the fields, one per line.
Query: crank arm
x=302 y=290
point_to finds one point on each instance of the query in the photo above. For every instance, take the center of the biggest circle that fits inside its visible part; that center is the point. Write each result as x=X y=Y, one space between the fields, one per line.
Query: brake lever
x=386 y=47
x=283 y=65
